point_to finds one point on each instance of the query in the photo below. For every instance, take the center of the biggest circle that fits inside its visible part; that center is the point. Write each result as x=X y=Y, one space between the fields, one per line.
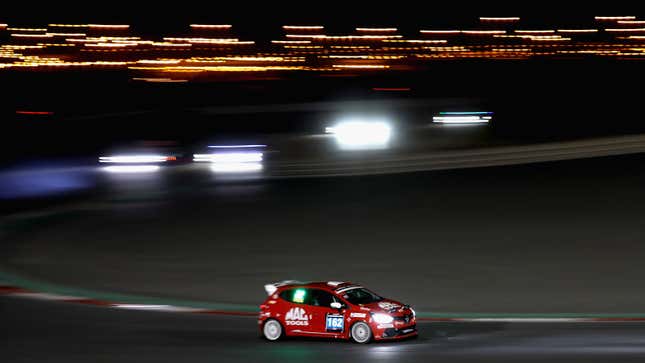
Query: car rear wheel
x=361 y=333
x=272 y=330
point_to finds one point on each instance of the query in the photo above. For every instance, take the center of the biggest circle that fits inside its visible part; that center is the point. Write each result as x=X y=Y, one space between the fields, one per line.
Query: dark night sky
x=337 y=16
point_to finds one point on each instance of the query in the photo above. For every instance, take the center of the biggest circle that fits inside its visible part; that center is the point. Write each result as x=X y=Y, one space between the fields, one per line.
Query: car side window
x=322 y=298
x=298 y=296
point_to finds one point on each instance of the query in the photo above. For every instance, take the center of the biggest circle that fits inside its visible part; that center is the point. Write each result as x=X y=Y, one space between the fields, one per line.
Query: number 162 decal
x=335 y=322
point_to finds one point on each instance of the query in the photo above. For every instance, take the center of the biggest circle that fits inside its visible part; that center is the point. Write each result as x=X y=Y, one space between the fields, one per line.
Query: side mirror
x=336 y=305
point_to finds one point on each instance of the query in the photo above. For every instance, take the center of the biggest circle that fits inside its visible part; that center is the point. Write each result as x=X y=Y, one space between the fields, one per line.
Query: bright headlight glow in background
x=463 y=118
x=133 y=159
x=230 y=157
x=360 y=135
x=233 y=158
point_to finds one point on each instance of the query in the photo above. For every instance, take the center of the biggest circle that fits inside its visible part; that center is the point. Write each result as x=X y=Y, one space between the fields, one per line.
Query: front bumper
x=399 y=332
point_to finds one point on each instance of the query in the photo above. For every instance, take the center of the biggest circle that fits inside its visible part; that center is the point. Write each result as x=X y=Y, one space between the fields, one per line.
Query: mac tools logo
x=297 y=316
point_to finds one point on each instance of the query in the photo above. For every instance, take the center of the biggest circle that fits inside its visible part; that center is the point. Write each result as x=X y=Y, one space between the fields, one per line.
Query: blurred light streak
x=303 y=27
x=534 y=31
x=461 y=119
x=230 y=157
x=67 y=34
x=131 y=159
x=159 y=61
x=632 y=22
x=69 y=25
x=440 y=31
x=109 y=26
x=291 y=41
x=358 y=135
x=131 y=169
x=32 y=35
x=577 y=30
x=626 y=30
x=483 y=32
x=500 y=19
x=109 y=45
x=377 y=30
x=433 y=41
x=209 y=26
x=610 y=18
x=27 y=29
x=359 y=66
x=21 y=112
x=236 y=146
x=160 y=80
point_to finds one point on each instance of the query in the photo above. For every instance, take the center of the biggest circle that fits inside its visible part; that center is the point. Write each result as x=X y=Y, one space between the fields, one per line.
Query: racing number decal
x=334 y=323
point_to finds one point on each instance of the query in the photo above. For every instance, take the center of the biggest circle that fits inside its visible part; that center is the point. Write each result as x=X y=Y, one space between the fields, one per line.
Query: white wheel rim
x=272 y=330
x=360 y=333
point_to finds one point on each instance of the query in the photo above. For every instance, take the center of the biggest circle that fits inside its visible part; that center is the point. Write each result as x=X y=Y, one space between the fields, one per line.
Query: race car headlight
x=382 y=318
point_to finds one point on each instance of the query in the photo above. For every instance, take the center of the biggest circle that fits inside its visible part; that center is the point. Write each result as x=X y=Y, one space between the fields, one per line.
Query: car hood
x=386 y=306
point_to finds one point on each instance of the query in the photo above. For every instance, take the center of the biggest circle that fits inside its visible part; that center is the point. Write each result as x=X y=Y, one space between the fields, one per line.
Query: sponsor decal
x=297 y=316
x=385 y=326
x=334 y=323
x=388 y=305
x=357 y=315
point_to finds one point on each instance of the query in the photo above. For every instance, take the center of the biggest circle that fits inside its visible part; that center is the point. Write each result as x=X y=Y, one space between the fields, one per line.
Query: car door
x=326 y=321
x=297 y=313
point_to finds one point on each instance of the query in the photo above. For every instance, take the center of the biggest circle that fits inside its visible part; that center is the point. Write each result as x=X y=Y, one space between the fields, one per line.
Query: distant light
x=501 y=19
x=109 y=26
x=461 y=119
x=615 y=18
x=27 y=29
x=229 y=157
x=132 y=169
x=377 y=30
x=535 y=31
x=361 y=134
x=577 y=30
x=632 y=22
x=32 y=35
x=483 y=32
x=134 y=159
x=22 y=112
x=466 y=113
x=625 y=30
x=440 y=31
x=291 y=41
x=235 y=146
x=209 y=26
x=303 y=27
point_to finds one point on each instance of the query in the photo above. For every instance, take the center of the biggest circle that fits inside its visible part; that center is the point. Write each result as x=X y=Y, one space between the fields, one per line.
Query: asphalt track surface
x=563 y=237
x=37 y=331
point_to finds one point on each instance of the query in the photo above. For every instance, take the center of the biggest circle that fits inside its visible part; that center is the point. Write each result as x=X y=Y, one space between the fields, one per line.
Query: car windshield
x=361 y=296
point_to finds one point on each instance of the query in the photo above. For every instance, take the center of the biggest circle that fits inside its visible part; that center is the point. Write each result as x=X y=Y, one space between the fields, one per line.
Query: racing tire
x=361 y=333
x=272 y=330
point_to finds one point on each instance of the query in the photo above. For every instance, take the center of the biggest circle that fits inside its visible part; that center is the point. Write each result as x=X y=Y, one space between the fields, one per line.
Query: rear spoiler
x=273 y=287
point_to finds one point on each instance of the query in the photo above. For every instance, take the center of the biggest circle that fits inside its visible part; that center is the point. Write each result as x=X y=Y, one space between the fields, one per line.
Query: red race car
x=333 y=309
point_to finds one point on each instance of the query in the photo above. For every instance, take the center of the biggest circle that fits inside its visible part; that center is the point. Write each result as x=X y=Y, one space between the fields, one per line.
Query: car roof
x=331 y=286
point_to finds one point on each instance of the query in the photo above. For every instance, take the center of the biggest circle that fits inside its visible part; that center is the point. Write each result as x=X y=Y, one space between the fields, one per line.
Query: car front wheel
x=361 y=333
x=272 y=330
